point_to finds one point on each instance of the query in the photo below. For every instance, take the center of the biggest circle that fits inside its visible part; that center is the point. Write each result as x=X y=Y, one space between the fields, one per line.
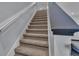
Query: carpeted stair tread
x=35 y=42
x=40 y=31
x=31 y=51
x=37 y=27
x=36 y=35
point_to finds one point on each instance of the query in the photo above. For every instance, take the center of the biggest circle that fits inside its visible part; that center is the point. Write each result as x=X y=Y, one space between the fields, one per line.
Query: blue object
x=74 y=50
x=61 y=23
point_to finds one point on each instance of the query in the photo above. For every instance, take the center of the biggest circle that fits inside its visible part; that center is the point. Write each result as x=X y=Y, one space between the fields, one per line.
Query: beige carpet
x=35 y=40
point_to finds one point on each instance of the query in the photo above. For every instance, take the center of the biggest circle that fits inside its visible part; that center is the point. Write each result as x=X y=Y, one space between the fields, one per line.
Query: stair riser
x=33 y=36
x=43 y=13
x=37 y=27
x=38 y=32
x=39 y=20
x=16 y=52
x=40 y=45
x=38 y=23
x=36 y=38
x=41 y=16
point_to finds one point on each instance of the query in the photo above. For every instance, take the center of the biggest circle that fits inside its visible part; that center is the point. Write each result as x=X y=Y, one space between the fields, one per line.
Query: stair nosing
x=35 y=35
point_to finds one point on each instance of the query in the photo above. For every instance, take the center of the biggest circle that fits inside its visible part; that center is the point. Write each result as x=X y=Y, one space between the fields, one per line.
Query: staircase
x=35 y=40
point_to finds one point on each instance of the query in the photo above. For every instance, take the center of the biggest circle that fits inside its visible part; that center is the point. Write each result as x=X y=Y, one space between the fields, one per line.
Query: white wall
x=9 y=36
x=9 y=9
x=62 y=45
x=72 y=9
x=42 y=5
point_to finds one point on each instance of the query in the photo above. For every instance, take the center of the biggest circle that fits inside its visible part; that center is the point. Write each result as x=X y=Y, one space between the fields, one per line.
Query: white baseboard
x=11 y=51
